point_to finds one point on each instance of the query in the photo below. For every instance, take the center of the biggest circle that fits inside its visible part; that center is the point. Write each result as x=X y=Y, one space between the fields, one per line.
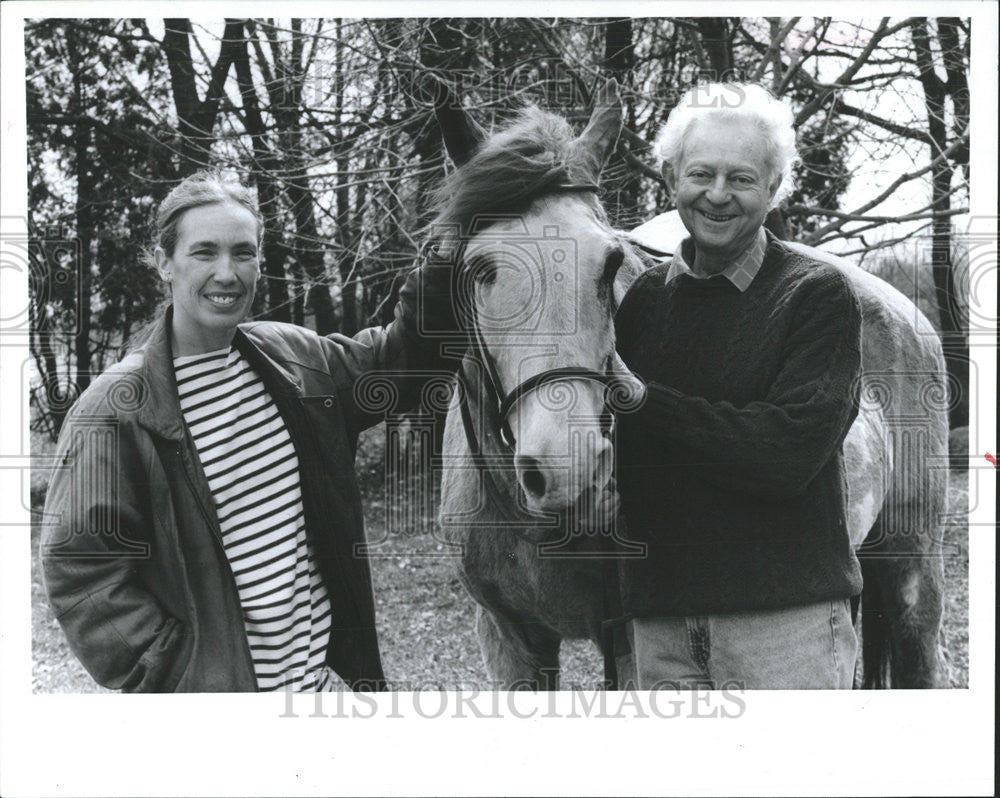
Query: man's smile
x=717 y=217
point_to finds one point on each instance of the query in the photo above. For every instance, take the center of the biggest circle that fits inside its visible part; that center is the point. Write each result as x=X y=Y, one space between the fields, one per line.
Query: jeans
x=800 y=648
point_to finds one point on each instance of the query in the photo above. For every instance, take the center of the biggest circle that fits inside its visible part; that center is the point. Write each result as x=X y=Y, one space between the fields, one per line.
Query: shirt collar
x=159 y=407
x=740 y=273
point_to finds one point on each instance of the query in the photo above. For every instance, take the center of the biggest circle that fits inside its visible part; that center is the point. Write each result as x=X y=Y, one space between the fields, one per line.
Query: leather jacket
x=131 y=547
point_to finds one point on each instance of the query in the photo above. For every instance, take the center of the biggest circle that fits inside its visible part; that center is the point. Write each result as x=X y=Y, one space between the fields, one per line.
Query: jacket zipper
x=217 y=538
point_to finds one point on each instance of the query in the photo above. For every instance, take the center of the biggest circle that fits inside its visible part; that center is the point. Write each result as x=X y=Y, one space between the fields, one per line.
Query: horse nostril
x=532 y=478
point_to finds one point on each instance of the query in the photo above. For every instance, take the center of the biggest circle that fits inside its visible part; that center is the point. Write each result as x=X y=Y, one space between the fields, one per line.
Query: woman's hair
x=744 y=101
x=205 y=187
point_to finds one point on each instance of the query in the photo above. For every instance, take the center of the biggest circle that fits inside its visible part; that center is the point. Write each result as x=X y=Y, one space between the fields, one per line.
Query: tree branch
x=825 y=91
x=926 y=213
x=798 y=59
x=904 y=178
x=885 y=124
x=777 y=39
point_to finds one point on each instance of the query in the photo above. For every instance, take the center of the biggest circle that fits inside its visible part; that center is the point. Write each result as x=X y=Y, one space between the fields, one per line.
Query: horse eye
x=483 y=270
x=612 y=264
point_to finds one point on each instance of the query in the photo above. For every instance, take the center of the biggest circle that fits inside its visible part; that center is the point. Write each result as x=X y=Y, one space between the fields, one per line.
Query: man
x=731 y=471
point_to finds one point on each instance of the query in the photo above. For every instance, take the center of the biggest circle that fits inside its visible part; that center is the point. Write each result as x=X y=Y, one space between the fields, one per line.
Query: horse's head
x=541 y=262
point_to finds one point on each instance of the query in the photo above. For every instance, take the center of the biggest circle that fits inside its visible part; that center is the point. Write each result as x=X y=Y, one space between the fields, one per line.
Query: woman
x=207 y=510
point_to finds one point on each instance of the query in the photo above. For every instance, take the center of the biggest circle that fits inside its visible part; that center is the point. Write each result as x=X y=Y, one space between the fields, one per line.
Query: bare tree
x=325 y=119
x=196 y=116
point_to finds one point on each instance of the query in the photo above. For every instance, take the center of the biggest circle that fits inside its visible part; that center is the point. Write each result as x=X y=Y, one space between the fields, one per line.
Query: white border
x=936 y=742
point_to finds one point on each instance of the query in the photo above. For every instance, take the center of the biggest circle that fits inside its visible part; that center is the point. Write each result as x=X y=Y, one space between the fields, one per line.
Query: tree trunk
x=619 y=60
x=956 y=60
x=84 y=224
x=953 y=338
x=346 y=257
x=359 y=232
x=715 y=39
x=42 y=338
x=298 y=284
x=286 y=102
x=265 y=166
x=196 y=117
x=308 y=248
x=441 y=50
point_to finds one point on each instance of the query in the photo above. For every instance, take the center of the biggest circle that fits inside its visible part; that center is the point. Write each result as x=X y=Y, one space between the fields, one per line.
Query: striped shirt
x=253 y=474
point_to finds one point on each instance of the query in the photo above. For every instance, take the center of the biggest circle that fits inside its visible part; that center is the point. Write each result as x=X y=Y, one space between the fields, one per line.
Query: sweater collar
x=160 y=409
x=740 y=273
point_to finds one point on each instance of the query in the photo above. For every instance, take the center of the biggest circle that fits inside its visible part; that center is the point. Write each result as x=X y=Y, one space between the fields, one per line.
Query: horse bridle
x=504 y=402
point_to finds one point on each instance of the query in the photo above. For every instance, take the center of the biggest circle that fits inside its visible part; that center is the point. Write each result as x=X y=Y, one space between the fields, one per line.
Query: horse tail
x=876 y=627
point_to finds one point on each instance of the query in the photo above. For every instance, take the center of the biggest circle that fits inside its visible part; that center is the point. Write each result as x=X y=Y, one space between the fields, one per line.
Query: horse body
x=896 y=456
x=517 y=511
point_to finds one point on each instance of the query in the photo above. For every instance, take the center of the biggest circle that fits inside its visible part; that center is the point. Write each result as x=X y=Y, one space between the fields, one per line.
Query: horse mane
x=514 y=166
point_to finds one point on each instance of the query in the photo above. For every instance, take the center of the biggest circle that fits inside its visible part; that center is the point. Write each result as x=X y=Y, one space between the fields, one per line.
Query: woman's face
x=212 y=272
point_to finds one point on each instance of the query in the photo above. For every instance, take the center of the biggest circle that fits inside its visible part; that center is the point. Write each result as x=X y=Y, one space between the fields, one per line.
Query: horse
x=527 y=450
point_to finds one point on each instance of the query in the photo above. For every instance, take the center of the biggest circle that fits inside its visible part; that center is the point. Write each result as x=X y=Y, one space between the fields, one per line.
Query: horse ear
x=460 y=132
x=597 y=142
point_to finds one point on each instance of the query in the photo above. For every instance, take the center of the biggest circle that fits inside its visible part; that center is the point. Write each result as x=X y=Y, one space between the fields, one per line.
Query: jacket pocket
x=163 y=664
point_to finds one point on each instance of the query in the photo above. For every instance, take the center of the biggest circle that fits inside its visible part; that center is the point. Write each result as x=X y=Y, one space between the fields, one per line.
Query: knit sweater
x=731 y=472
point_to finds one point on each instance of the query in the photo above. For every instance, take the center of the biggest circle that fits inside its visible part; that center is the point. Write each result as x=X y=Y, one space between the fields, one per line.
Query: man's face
x=723 y=185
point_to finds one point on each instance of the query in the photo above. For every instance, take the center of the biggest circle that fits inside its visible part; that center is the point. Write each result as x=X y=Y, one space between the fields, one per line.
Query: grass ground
x=426 y=619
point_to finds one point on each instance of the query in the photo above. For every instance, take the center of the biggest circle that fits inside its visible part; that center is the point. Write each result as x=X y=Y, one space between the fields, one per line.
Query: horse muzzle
x=553 y=481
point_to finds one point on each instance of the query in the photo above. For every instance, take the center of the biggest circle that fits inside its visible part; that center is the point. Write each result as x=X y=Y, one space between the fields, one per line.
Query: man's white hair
x=744 y=101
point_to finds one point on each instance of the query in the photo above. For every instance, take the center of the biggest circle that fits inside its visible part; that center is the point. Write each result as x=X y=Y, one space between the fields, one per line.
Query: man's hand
x=607 y=506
